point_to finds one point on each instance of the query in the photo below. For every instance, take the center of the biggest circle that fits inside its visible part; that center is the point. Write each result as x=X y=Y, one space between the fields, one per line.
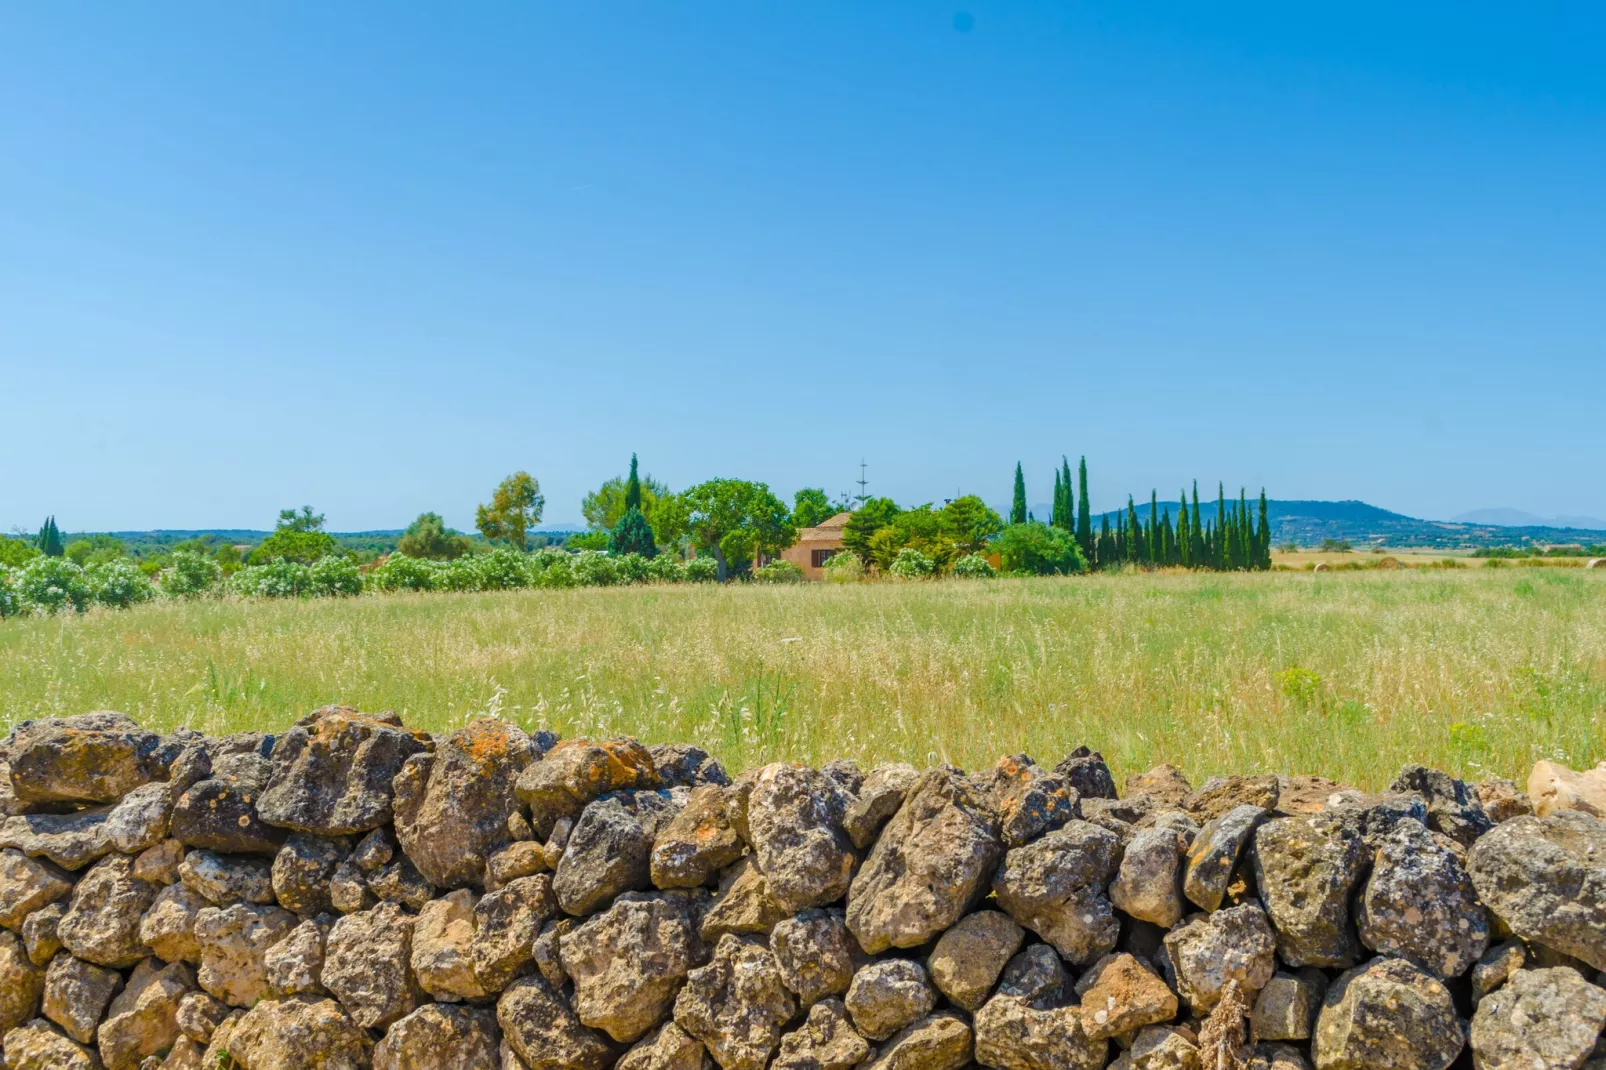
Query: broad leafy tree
x=971 y=523
x=429 y=538
x=719 y=507
x=514 y=509
x=869 y=518
x=811 y=507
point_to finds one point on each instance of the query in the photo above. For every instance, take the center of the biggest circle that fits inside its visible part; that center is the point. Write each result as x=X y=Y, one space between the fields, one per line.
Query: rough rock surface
x=1306 y=869
x=794 y=821
x=970 y=956
x=610 y=850
x=1148 y=885
x=628 y=963
x=1545 y=878
x=71 y=841
x=93 y=757
x=442 y=957
x=506 y=923
x=1055 y=887
x=168 y=927
x=76 y=994
x=37 y=1045
x=941 y=1042
x=879 y=797
x=102 y=920
x=1387 y=1015
x=1029 y=800
x=332 y=773
x=1419 y=904
x=1209 y=950
x=21 y=983
x=737 y=1004
x=670 y=1048
x=698 y=842
x=298 y=1032
x=1540 y=1018
x=1214 y=854
x=885 y=996
x=541 y=1029
x=26 y=884
x=143 y=1019
x=452 y=807
x=441 y=1035
x=234 y=943
x=220 y=812
x=931 y=861
x=1011 y=1033
x=825 y=1041
x=367 y=965
x=576 y=771
x=815 y=954
x=1121 y=995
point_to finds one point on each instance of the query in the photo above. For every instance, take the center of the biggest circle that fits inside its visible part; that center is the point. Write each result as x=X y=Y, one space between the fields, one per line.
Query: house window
x=818 y=558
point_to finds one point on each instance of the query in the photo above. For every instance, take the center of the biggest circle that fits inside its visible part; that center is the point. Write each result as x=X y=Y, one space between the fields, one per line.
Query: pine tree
x=1017 y=511
x=1084 y=514
x=632 y=487
x=633 y=535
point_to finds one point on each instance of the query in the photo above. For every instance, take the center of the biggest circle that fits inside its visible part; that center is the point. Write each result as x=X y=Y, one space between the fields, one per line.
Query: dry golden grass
x=1350 y=675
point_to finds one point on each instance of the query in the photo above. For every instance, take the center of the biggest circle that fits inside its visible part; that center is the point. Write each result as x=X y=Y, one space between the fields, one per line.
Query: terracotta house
x=815 y=546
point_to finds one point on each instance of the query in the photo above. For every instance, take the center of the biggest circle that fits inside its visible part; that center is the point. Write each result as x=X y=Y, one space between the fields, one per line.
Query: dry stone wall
x=352 y=893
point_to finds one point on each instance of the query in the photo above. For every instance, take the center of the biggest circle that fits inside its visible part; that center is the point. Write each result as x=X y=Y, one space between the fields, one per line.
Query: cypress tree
x=1265 y=533
x=632 y=487
x=1168 y=539
x=1134 y=532
x=1058 y=516
x=50 y=542
x=1184 y=534
x=1017 y=511
x=1221 y=548
x=1106 y=550
x=1156 y=545
x=1070 y=496
x=1084 y=515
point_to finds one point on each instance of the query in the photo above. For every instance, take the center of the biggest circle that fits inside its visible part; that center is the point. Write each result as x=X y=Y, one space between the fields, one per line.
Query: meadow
x=1349 y=675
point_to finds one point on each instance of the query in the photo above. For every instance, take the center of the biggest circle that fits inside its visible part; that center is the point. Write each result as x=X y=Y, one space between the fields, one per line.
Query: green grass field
x=1349 y=675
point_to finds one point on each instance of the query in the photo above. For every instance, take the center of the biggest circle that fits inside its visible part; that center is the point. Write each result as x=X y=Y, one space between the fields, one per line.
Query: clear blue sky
x=375 y=256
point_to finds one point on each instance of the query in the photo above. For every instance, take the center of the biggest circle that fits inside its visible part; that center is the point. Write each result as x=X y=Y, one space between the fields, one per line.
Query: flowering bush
x=53 y=584
x=633 y=568
x=974 y=567
x=701 y=570
x=502 y=569
x=911 y=564
x=10 y=600
x=118 y=583
x=552 y=567
x=593 y=568
x=189 y=574
x=778 y=572
x=844 y=567
x=398 y=572
x=330 y=577
x=277 y=579
x=666 y=568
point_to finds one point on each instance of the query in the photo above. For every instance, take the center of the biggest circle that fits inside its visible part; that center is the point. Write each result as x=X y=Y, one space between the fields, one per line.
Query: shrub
x=52 y=584
x=911 y=564
x=459 y=575
x=551 y=567
x=633 y=568
x=844 y=567
x=189 y=574
x=398 y=572
x=974 y=567
x=16 y=552
x=503 y=569
x=118 y=584
x=589 y=540
x=1039 y=550
x=303 y=547
x=333 y=577
x=778 y=572
x=277 y=579
x=701 y=570
x=593 y=568
x=10 y=599
x=665 y=568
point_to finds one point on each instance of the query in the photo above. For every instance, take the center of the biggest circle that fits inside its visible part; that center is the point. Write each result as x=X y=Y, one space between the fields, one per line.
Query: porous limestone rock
x=694 y=845
x=140 y=819
x=506 y=924
x=294 y=965
x=439 y=1035
x=89 y=758
x=737 y=1004
x=545 y=1034
x=825 y=1041
x=1029 y=800
x=628 y=962
x=1387 y=1015
x=971 y=955
x=168 y=927
x=887 y=995
x=76 y=994
x=1215 y=851
x=1209 y=950
x=815 y=954
x=1545 y=878
x=610 y=850
x=143 y=1019
x=102 y=920
x=367 y=965
x=1549 y=1018
x=26 y=884
x=234 y=943
x=443 y=948
x=332 y=772
x=576 y=771
x=1419 y=904
x=794 y=820
x=1306 y=869
x=37 y=1045
x=1055 y=887
x=227 y=879
x=670 y=1048
x=942 y=1041
x=1121 y=995
x=21 y=983
x=71 y=841
x=1148 y=884
x=289 y=1034
x=303 y=869
x=879 y=797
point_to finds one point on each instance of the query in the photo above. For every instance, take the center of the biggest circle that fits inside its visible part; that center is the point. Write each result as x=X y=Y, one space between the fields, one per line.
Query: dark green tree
x=867 y=519
x=50 y=543
x=429 y=537
x=1017 y=510
x=1056 y=513
x=1264 y=533
x=633 y=488
x=811 y=508
x=305 y=520
x=633 y=535
x=1084 y=512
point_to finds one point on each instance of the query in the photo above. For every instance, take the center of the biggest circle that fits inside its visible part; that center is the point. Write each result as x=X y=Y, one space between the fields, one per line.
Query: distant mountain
x=1516 y=518
x=1308 y=523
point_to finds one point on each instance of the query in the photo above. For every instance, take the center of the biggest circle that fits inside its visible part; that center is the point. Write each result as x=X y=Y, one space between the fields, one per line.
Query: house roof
x=828 y=529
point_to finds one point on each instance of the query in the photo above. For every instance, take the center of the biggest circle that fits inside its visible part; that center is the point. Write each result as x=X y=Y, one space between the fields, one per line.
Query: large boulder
x=941 y=1041
x=168 y=927
x=290 y=1034
x=1419 y=904
x=1214 y=854
x=234 y=943
x=452 y=807
x=441 y=1035
x=26 y=884
x=1055 y=887
x=367 y=965
x=71 y=841
x=610 y=849
x=1148 y=884
x=143 y=1019
x=38 y=1046
x=1306 y=869
x=1012 y=1033
x=1545 y=878
x=1209 y=951
x=1387 y=1015
x=576 y=771
x=628 y=963
x=220 y=812
x=1552 y=786
x=737 y=1004
x=970 y=957
x=545 y=1033
x=878 y=798
x=794 y=821
x=698 y=842
x=887 y=995
x=332 y=772
x=930 y=862
x=90 y=758
x=102 y=920
x=815 y=953
x=1029 y=800
x=21 y=983
x=506 y=923
x=1550 y=1018
x=443 y=948
x=76 y=994
x=825 y=1041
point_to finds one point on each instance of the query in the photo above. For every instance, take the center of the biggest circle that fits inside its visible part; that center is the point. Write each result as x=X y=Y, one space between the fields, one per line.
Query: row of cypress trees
x=1237 y=537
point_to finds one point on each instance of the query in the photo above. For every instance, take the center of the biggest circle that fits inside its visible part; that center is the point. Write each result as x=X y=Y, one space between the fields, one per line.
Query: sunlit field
x=1351 y=675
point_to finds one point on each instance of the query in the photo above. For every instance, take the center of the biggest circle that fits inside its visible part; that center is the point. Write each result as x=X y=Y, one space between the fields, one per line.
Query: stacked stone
x=352 y=894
